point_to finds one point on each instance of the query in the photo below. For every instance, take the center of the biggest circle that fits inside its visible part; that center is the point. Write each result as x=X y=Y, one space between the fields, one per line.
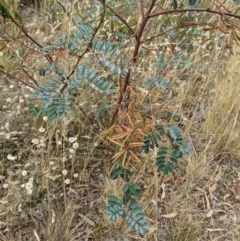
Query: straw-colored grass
x=51 y=191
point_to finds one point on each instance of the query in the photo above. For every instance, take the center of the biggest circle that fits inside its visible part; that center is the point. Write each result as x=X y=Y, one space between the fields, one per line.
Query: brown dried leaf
x=238 y=189
x=53 y=216
x=211 y=190
x=214 y=230
x=170 y=215
x=226 y=196
x=210 y=213
x=36 y=235
x=89 y=221
x=163 y=191
x=228 y=204
x=207 y=200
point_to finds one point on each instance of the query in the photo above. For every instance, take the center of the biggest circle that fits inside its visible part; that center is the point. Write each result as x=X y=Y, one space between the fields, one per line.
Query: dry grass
x=51 y=191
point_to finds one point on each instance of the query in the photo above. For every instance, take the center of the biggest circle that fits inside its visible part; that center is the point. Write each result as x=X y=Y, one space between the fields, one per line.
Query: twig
x=30 y=76
x=142 y=8
x=206 y=10
x=89 y=44
x=174 y=28
x=121 y=18
x=33 y=40
x=12 y=77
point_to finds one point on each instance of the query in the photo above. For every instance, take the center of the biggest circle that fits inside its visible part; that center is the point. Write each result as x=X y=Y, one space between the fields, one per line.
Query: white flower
x=24 y=173
x=71 y=139
x=29 y=191
x=26 y=96
x=8 y=99
x=11 y=158
x=21 y=100
x=71 y=150
x=29 y=185
x=41 y=129
x=59 y=143
x=75 y=175
x=67 y=181
x=23 y=185
x=11 y=86
x=45 y=118
x=64 y=172
x=75 y=145
x=5 y=185
x=35 y=141
x=51 y=163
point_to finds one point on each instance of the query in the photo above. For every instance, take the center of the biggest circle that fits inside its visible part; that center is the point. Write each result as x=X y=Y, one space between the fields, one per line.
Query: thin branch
x=142 y=8
x=88 y=46
x=151 y=7
x=174 y=28
x=33 y=40
x=12 y=77
x=134 y=60
x=30 y=77
x=206 y=10
x=121 y=18
x=222 y=5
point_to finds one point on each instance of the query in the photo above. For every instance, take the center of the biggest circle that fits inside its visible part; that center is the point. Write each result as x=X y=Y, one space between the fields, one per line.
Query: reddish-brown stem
x=142 y=8
x=12 y=77
x=174 y=28
x=30 y=77
x=121 y=18
x=29 y=37
x=207 y=10
x=134 y=60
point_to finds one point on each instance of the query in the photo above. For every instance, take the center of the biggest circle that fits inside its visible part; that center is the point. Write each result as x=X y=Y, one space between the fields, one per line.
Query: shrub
x=113 y=53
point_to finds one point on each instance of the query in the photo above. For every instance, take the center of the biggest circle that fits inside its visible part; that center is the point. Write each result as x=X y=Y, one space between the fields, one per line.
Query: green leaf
x=192 y=2
x=189 y=48
x=185 y=148
x=135 y=190
x=112 y=200
x=174 y=4
x=183 y=43
x=132 y=190
x=175 y=134
x=7 y=12
x=42 y=72
x=127 y=197
x=115 y=172
x=161 y=63
x=125 y=188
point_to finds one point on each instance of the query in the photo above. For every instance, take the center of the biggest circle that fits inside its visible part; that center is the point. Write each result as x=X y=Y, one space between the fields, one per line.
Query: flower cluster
x=28 y=185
